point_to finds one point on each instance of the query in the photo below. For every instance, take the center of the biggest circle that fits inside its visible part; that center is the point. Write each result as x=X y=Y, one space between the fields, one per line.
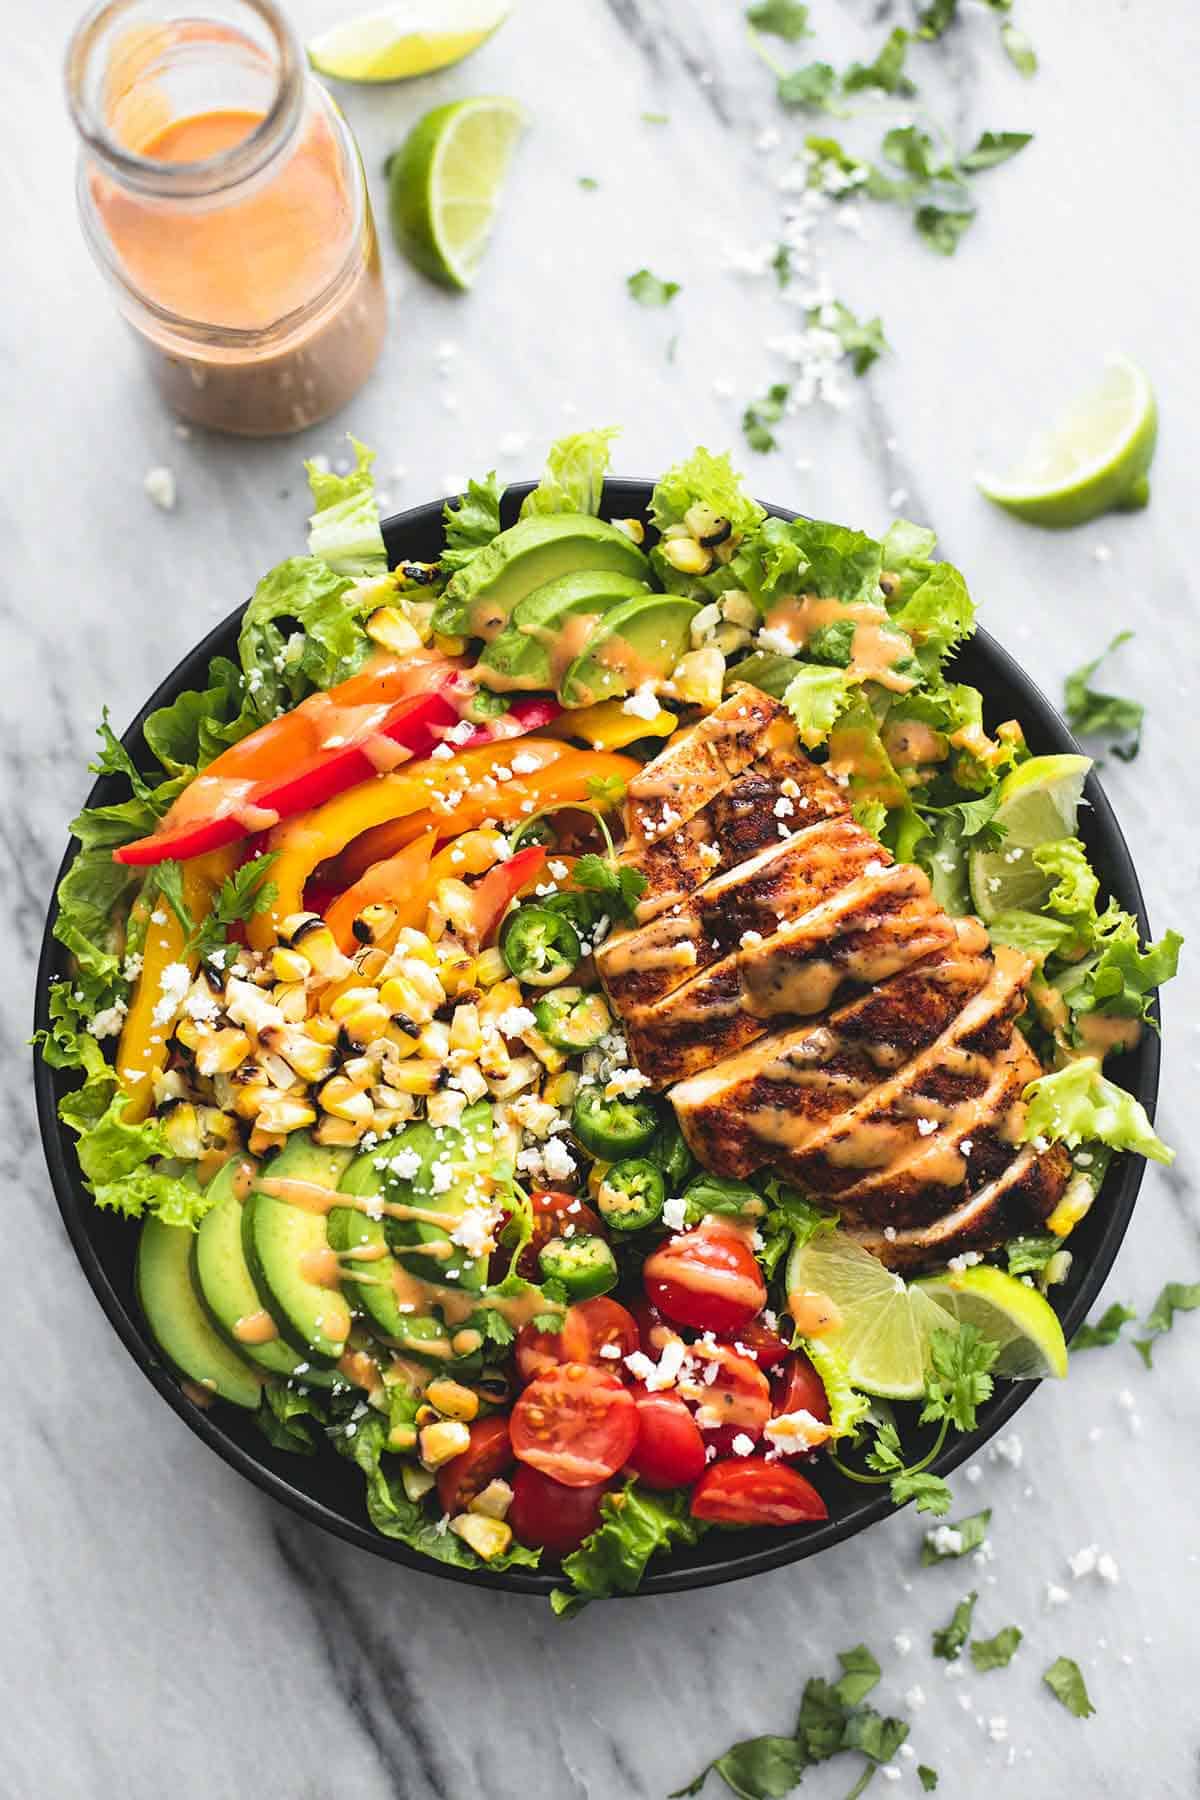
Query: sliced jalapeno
x=631 y=1194
x=584 y=1265
x=613 y=1128
x=670 y=1151
x=572 y=1020
x=540 y=947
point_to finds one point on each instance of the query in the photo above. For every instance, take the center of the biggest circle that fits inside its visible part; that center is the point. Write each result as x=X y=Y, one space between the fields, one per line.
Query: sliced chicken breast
x=699 y=762
x=1021 y=1199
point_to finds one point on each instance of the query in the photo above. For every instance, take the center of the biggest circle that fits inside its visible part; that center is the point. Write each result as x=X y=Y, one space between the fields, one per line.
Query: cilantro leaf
x=948 y=1642
x=996 y=1652
x=785 y=19
x=862 y=341
x=242 y=896
x=885 y=1455
x=1065 y=1680
x=471 y=525
x=1106 y=1330
x=929 y=1491
x=945 y=216
x=166 y=878
x=649 y=290
x=958 y=1381
x=760 y=415
x=588 y=183
x=605 y=791
x=927 y=1777
x=971 y=1533
x=1093 y=714
x=876 y=1736
x=781 y=262
x=994 y=147
x=933 y=19
x=886 y=72
x=619 y=886
x=762 y=1768
x=821 y=1721
x=1176 y=1296
x=811 y=86
x=1019 y=50
x=860 y=1674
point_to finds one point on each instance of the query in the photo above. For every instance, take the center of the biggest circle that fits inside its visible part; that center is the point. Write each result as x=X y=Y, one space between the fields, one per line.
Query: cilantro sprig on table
x=1093 y=714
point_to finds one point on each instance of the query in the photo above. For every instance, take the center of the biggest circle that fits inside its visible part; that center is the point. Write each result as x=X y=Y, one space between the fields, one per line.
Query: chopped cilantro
x=588 y=183
x=994 y=147
x=653 y=118
x=971 y=1532
x=948 y=1642
x=1093 y=714
x=1019 y=50
x=1065 y=1680
x=861 y=340
x=886 y=72
x=620 y=888
x=927 y=1777
x=1177 y=1296
x=958 y=1380
x=760 y=415
x=785 y=19
x=1106 y=1330
x=811 y=86
x=649 y=290
x=996 y=1652
x=242 y=896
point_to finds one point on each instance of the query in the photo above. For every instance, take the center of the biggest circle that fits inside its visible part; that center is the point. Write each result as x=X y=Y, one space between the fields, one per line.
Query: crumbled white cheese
x=624 y=1083
x=927 y=1127
x=173 y=984
x=1055 y=1595
x=674 y=1214
x=1008 y=1449
x=1107 y=1569
x=131 y=968
x=441 y=1176
x=742 y=1445
x=902 y=1643
x=159 y=484
x=108 y=1023
x=783 y=807
x=514 y=1020
x=914 y=1699
x=997 y=1729
x=750 y=940
x=774 y=637
x=405 y=1164
x=642 y=703
x=945 y=1541
x=794 y=1432
x=557 y=1160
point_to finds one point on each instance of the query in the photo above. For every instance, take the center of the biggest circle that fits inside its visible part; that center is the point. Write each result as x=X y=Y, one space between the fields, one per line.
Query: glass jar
x=223 y=197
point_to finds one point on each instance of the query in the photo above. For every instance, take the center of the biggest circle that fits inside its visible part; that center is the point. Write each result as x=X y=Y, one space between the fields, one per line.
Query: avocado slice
x=368 y=1283
x=223 y=1281
x=288 y=1250
x=640 y=640
x=550 y=627
x=180 y=1326
x=480 y=598
x=424 y=1247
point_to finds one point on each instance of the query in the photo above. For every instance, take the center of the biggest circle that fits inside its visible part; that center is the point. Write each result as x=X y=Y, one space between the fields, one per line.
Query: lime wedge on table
x=445 y=184
x=412 y=37
x=1095 y=459
x=883 y=1324
x=1037 y=805
x=1007 y=1313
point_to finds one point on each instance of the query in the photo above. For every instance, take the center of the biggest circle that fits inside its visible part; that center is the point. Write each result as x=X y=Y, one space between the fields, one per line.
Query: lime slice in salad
x=412 y=37
x=1007 y=1313
x=883 y=1327
x=445 y=185
x=1038 y=804
x=1095 y=459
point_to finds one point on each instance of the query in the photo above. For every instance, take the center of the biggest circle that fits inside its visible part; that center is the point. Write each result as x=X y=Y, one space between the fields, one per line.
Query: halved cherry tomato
x=748 y=1490
x=554 y=1214
x=589 y=1329
x=576 y=1424
x=798 y=1388
x=708 y=1278
x=669 y=1451
x=653 y=1331
x=735 y=1403
x=545 y=1513
x=488 y=1454
x=766 y=1346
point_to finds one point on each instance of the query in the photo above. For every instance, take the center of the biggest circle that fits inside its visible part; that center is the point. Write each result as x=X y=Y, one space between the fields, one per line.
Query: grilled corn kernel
x=445 y=1108
x=442 y=1440
x=560 y=1090
x=261 y=1143
x=1075 y=1203
x=289 y=965
x=454 y=905
x=465 y=1033
x=311 y=1060
x=351 y=1001
x=365 y=1026
x=633 y=529
x=706 y=526
x=524 y=1071
x=686 y=555
x=324 y=1029
x=699 y=677
x=341 y=1132
x=434 y=1040
x=479 y=851
x=277 y=1071
x=416 y=1076
x=374 y=922
x=286 y=1114
x=388 y=626
x=704 y=624
x=469 y=1080
x=415 y=1480
x=426 y=1414
x=411 y=942
x=740 y=609
x=550 y=1058
x=452 y=1399
x=190 y=1034
x=370 y=965
x=317 y=942
x=498 y=999
x=220 y=1052
x=345 y=1101
x=400 y=1108
x=292 y=1001
x=458 y=973
x=401 y=1000
x=494 y=1500
x=296 y=924
x=395 y=1044
x=402 y=1436
x=448 y=645
x=727 y=638
x=249 y=1097
x=494 y=1058
x=359 y=1070
x=490 y=967
x=181 y=1128
x=487 y=1537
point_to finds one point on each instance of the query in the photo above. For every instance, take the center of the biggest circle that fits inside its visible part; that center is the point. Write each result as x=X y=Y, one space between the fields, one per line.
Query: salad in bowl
x=591 y=1025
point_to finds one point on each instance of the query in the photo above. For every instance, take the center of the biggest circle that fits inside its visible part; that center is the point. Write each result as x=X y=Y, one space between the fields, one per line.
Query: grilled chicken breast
x=768 y=906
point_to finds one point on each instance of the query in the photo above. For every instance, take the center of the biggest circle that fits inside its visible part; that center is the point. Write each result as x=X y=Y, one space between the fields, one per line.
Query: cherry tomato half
x=797 y=1387
x=576 y=1424
x=736 y=1403
x=653 y=1331
x=748 y=1490
x=766 y=1346
x=707 y=1278
x=553 y=1213
x=590 y=1329
x=488 y=1454
x=669 y=1451
x=545 y=1513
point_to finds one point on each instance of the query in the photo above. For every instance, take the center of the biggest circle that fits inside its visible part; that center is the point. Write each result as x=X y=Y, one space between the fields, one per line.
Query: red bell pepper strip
x=491 y=897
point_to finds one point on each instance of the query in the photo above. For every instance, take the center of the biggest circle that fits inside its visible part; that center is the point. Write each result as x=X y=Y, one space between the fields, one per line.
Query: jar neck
x=135 y=68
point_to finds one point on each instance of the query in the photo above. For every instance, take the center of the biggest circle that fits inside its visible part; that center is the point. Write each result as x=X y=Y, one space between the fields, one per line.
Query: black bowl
x=329 y=1491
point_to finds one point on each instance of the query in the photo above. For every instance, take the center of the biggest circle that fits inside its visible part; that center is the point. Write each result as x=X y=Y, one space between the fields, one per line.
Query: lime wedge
x=883 y=1324
x=413 y=37
x=1037 y=805
x=445 y=184
x=1007 y=1313
x=1095 y=459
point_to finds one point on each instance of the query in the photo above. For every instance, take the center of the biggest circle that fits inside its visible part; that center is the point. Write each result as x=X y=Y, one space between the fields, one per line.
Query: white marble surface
x=166 y=1630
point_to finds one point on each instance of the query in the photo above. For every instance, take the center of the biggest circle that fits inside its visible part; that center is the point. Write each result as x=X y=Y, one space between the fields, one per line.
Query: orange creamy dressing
x=876 y=646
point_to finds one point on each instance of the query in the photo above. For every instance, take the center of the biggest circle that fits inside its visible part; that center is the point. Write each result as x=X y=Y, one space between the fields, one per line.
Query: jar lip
x=210 y=174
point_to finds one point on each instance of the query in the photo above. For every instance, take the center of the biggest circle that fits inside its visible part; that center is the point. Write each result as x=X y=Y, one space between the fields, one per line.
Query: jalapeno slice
x=540 y=947
x=670 y=1151
x=584 y=1265
x=631 y=1194
x=612 y=1129
x=570 y=1019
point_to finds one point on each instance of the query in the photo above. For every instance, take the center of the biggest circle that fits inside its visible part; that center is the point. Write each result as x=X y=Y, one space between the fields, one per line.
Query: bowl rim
x=719 y=1559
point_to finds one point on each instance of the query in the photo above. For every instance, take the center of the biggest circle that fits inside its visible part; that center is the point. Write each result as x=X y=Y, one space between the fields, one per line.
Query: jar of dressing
x=222 y=195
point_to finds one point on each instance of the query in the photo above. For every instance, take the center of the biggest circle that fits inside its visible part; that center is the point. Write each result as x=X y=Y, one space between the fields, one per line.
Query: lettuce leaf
x=121 y=1163
x=573 y=479
x=857 y=756
x=201 y=722
x=938 y=614
x=710 y=481
x=472 y=524
x=344 y=528
x=282 y=665
x=1076 y=1104
x=637 y=1525
x=815 y=696
x=847 y=1407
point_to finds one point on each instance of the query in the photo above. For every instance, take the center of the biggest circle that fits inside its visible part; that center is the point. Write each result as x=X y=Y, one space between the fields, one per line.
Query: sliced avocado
x=424 y=1246
x=480 y=598
x=640 y=640
x=180 y=1326
x=550 y=627
x=223 y=1281
x=369 y=1285
x=288 y=1250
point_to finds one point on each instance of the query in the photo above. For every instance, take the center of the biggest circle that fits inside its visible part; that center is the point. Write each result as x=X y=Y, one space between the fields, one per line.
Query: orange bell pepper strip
x=562 y=781
x=142 y=1048
x=317 y=836
x=396 y=880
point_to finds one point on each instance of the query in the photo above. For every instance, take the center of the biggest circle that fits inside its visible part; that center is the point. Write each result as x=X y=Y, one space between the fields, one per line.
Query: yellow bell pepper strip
x=561 y=782
x=607 y=726
x=142 y=1049
x=397 y=879
x=317 y=836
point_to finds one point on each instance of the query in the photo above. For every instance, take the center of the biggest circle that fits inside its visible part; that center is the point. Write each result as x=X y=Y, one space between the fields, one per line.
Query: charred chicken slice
x=701 y=761
x=1019 y=1200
